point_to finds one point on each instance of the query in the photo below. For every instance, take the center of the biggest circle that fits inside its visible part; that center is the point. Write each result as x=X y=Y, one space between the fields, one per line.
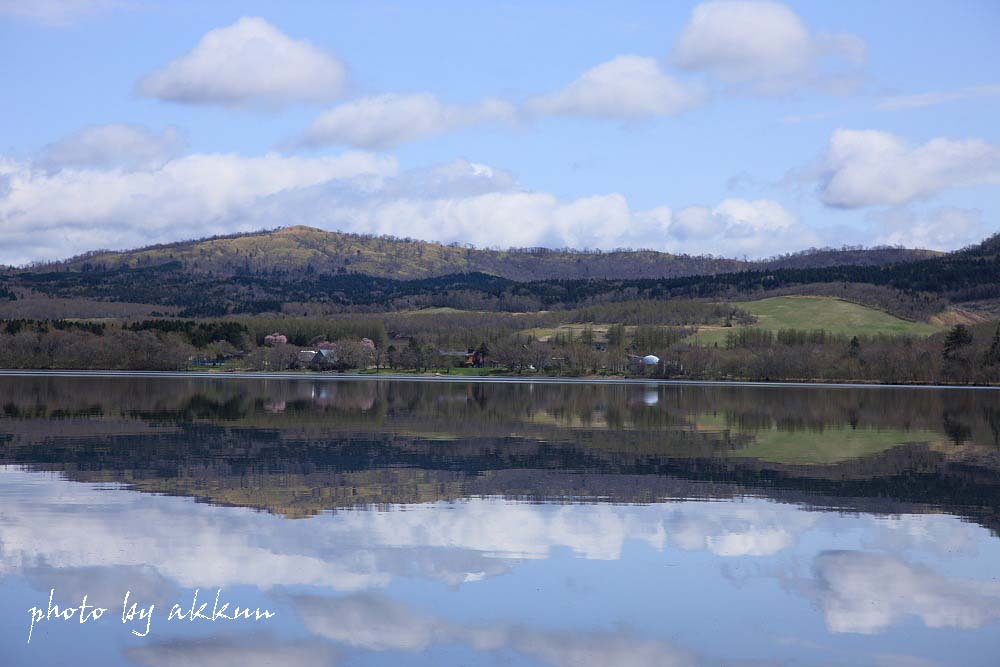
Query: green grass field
x=817 y=447
x=827 y=447
x=816 y=312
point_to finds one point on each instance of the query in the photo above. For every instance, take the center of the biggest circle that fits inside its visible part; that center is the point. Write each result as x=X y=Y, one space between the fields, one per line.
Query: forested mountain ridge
x=302 y=251
x=268 y=272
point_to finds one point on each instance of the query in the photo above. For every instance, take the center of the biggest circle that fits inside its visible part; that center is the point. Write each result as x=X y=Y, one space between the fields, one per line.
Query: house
x=318 y=359
x=470 y=358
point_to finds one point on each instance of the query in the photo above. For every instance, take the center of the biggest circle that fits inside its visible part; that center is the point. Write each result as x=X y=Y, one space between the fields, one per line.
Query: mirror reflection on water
x=431 y=523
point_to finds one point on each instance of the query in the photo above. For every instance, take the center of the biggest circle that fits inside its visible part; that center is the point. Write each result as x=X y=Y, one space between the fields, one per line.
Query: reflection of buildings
x=275 y=407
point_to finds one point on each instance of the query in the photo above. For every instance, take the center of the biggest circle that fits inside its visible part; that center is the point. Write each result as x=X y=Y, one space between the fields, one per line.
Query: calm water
x=387 y=523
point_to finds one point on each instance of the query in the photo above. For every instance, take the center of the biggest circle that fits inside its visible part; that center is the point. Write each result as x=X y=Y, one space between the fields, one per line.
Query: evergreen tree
x=616 y=336
x=958 y=337
x=993 y=354
x=854 y=347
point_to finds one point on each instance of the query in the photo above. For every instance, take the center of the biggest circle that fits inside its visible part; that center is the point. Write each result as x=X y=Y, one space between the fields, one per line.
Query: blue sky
x=728 y=128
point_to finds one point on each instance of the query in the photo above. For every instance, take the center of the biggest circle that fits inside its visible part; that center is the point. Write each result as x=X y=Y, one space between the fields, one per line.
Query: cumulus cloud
x=55 y=12
x=47 y=214
x=759 y=227
x=765 y=48
x=249 y=62
x=866 y=593
x=115 y=145
x=627 y=87
x=944 y=228
x=510 y=216
x=874 y=168
x=388 y=120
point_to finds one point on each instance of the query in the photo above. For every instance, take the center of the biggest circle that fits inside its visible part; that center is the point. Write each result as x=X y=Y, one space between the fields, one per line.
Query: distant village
x=364 y=354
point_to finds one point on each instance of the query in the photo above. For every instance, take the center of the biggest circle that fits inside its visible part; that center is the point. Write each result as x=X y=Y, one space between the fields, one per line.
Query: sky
x=730 y=128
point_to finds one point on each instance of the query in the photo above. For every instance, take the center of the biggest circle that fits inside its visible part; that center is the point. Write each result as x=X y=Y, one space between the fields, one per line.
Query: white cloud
x=505 y=215
x=866 y=593
x=765 y=48
x=249 y=62
x=932 y=99
x=873 y=168
x=943 y=228
x=388 y=120
x=55 y=12
x=626 y=87
x=50 y=215
x=115 y=145
x=377 y=623
x=47 y=215
x=759 y=227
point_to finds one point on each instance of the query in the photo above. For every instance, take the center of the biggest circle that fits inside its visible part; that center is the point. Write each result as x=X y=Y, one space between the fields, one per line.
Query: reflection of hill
x=301 y=447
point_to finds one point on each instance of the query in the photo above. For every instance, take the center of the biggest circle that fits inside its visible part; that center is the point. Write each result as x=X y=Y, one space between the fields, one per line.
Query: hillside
x=304 y=250
x=814 y=259
x=312 y=272
x=807 y=313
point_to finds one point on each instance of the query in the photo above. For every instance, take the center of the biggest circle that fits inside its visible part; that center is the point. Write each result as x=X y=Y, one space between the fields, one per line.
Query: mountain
x=306 y=251
x=815 y=259
x=309 y=271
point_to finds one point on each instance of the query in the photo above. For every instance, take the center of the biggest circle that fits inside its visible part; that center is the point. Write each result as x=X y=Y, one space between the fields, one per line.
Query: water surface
x=387 y=523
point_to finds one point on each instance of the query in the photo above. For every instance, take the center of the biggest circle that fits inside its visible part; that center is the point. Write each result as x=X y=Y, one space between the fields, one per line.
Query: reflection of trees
x=298 y=447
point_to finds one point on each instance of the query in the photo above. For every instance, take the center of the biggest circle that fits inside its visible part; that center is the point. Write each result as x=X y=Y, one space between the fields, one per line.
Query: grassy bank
x=809 y=313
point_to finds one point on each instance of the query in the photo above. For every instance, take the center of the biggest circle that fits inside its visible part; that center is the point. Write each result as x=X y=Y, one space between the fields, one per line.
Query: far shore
x=496 y=379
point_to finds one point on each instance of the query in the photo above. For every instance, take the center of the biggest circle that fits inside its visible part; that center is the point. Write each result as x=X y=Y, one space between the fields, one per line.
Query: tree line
x=509 y=343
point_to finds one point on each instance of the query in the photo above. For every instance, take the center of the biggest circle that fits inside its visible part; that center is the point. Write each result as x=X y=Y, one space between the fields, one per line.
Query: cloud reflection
x=376 y=623
x=233 y=652
x=866 y=593
x=47 y=523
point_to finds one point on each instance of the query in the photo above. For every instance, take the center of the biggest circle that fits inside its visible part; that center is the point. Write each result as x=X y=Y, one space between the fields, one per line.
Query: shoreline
x=494 y=379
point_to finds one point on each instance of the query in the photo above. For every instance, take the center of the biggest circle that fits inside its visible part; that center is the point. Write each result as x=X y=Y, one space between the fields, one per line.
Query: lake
x=431 y=523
